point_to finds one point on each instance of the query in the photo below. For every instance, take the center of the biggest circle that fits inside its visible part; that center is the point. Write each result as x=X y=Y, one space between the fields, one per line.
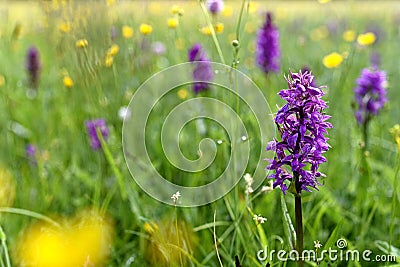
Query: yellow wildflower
x=332 y=60
x=182 y=94
x=227 y=11
x=65 y=27
x=219 y=27
x=127 y=32
x=319 y=33
x=250 y=27
x=2 y=80
x=86 y=238
x=205 y=30
x=110 y=2
x=7 y=188
x=173 y=23
x=113 y=50
x=180 y=43
x=82 y=43
x=395 y=131
x=349 y=36
x=145 y=29
x=252 y=7
x=324 y=1
x=155 y=8
x=366 y=38
x=109 y=60
x=177 y=10
x=68 y=82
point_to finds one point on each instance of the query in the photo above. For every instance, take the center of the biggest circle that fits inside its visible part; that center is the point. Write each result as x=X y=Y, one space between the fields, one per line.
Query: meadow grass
x=66 y=177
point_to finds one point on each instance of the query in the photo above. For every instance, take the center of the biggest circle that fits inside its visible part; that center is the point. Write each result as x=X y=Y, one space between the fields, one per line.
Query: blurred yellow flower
x=332 y=60
x=145 y=29
x=177 y=10
x=81 y=241
x=68 y=82
x=7 y=188
x=253 y=7
x=228 y=11
x=110 y=2
x=323 y=1
x=250 y=27
x=349 y=36
x=109 y=60
x=2 y=80
x=180 y=43
x=172 y=23
x=319 y=33
x=182 y=94
x=155 y=8
x=251 y=47
x=366 y=38
x=82 y=43
x=205 y=30
x=127 y=32
x=395 y=131
x=65 y=27
x=219 y=27
x=113 y=50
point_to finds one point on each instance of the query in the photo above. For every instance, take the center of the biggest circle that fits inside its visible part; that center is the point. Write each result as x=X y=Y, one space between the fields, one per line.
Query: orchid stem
x=299 y=228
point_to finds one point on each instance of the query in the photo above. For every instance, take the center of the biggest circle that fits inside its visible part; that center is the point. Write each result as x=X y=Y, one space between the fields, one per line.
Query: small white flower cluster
x=249 y=181
x=175 y=197
x=317 y=244
x=259 y=219
x=269 y=188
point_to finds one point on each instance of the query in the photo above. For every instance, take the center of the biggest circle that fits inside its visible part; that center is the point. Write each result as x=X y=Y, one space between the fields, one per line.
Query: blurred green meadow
x=67 y=204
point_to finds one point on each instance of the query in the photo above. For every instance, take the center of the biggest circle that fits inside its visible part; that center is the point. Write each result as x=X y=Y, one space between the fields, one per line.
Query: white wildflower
x=259 y=218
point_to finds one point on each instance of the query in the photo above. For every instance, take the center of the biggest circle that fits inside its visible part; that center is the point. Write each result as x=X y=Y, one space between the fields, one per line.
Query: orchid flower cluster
x=302 y=124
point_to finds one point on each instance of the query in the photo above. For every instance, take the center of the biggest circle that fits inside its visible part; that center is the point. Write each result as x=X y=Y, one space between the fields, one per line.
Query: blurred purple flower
x=158 y=48
x=302 y=124
x=113 y=33
x=215 y=6
x=91 y=126
x=33 y=66
x=202 y=70
x=30 y=151
x=370 y=93
x=267 y=51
